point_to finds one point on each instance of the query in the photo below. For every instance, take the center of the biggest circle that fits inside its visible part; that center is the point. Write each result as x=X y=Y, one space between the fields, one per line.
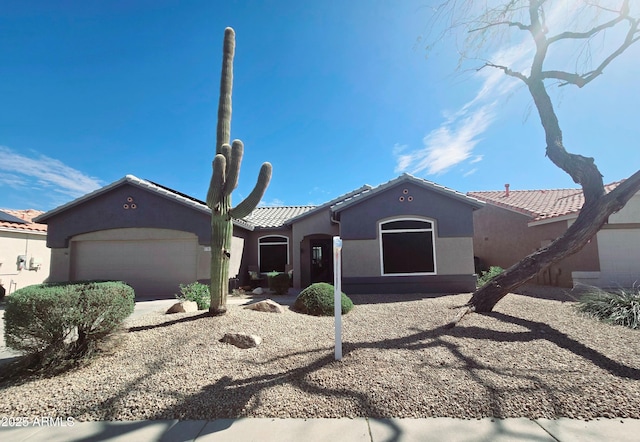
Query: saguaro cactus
x=226 y=169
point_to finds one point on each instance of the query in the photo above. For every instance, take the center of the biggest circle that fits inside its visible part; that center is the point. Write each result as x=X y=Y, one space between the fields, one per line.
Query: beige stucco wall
x=362 y=257
x=204 y=259
x=31 y=245
x=317 y=224
x=60 y=265
x=629 y=214
x=502 y=238
x=454 y=256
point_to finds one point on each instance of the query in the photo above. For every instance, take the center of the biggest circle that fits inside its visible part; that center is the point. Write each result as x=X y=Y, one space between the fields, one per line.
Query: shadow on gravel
x=540 y=330
x=170 y=323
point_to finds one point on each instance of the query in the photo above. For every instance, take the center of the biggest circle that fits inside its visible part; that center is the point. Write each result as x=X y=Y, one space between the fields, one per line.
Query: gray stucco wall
x=107 y=211
x=453 y=237
x=454 y=217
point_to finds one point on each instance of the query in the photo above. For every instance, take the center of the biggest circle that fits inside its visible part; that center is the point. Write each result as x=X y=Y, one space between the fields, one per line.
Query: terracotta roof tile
x=26 y=215
x=539 y=204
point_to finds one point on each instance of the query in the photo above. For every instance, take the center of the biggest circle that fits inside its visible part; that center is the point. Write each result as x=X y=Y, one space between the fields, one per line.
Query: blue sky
x=335 y=94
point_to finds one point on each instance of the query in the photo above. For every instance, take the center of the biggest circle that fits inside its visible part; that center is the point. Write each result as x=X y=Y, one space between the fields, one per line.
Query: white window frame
x=381 y=232
x=285 y=242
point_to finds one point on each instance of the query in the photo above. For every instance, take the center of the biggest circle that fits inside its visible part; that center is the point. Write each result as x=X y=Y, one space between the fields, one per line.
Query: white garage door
x=152 y=267
x=619 y=253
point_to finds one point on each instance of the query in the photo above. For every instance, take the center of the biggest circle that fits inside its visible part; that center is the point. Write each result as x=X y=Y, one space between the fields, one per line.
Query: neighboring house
x=24 y=256
x=514 y=224
x=407 y=235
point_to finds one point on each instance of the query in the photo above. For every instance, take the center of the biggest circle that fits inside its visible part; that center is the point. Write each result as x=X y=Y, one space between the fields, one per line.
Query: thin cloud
x=470 y=172
x=454 y=140
x=448 y=145
x=44 y=172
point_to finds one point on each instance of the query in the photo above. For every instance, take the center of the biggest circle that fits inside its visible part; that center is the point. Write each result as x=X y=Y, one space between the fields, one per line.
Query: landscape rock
x=267 y=305
x=258 y=291
x=242 y=340
x=183 y=307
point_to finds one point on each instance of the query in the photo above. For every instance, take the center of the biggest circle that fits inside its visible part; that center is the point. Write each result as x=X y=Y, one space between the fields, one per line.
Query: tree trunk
x=591 y=218
x=593 y=215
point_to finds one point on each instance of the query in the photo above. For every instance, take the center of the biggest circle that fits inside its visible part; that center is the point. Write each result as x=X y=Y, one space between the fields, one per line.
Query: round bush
x=317 y=300
x=65 y=320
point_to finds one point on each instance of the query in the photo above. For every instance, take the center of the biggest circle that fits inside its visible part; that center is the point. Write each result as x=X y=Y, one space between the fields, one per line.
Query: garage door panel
x=151 y=267
x=619 y=253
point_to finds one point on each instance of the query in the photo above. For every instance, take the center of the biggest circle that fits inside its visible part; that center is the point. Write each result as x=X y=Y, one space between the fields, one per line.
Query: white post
x=337 y=298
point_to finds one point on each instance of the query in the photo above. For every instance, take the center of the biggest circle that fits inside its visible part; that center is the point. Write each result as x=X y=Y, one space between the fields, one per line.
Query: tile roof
x=266 y=217
x=24 y=220
x=541 y=204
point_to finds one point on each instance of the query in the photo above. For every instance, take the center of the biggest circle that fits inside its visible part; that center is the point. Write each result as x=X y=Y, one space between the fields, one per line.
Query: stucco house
x=407 y=235
x=24 y=256
x=513 y=224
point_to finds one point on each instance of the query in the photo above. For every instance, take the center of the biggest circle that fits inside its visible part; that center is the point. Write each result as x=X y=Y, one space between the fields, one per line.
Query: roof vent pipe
x=506 y=190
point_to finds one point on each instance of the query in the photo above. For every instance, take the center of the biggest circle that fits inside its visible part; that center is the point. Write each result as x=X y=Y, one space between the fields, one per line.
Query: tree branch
x=506 y=70
x=624 y=14
x=522 y=26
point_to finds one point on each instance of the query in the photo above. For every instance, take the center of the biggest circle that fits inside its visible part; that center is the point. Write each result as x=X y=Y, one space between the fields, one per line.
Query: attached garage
x=619 y=253
x=153 y=261
x=135 y=231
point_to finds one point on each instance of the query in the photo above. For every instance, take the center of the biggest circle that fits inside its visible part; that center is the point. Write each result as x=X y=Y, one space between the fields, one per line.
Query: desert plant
x=196 y=292
x=65 y=321
x=621 y=307
x=489 y=274
x=224 y=179
x=279 y=282
x=317 y=300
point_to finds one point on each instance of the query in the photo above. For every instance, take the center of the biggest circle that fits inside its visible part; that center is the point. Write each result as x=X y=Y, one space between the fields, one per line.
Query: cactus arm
x=223 y=133
x=233 y=167
x=225 y=150
x=214 y=194
x=250 y=202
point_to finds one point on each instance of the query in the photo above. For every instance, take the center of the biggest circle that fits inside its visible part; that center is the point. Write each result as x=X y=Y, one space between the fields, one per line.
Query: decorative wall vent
x=130 y=204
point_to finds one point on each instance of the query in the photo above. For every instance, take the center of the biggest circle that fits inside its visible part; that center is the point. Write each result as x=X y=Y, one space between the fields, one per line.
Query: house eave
x=551 y=220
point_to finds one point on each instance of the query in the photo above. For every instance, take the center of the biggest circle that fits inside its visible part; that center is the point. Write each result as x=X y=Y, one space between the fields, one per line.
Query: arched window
x=407 y=247
x=273 y=253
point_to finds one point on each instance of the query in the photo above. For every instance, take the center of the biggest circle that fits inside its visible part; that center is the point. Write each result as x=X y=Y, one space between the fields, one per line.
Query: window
x=407 y=247
x=273 y=253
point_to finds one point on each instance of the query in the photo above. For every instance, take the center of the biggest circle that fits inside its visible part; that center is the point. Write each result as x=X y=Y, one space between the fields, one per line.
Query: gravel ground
x=534 y=358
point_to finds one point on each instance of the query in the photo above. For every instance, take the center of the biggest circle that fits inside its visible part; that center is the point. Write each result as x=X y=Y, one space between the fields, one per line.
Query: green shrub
x=279 y=283
x=622 y=307
x=65 y=321
x=197 y=292
x=486 y=276
x=317 y=299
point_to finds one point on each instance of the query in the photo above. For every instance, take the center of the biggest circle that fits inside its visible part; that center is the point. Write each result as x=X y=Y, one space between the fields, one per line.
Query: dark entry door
x=321 y=261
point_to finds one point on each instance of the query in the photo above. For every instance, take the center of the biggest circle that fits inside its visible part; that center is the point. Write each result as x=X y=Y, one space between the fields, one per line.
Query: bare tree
x=487 y=23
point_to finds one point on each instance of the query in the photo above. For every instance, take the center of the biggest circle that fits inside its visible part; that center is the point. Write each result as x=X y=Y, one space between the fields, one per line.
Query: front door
x=321 y=261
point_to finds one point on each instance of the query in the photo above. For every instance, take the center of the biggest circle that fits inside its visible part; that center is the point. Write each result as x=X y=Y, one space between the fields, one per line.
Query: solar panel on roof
x=4 y=216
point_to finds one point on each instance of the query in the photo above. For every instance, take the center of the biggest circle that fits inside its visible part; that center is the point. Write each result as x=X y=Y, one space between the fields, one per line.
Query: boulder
x=183 y=307
x=267 y=305
x=241 y=340
x=258 y=291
